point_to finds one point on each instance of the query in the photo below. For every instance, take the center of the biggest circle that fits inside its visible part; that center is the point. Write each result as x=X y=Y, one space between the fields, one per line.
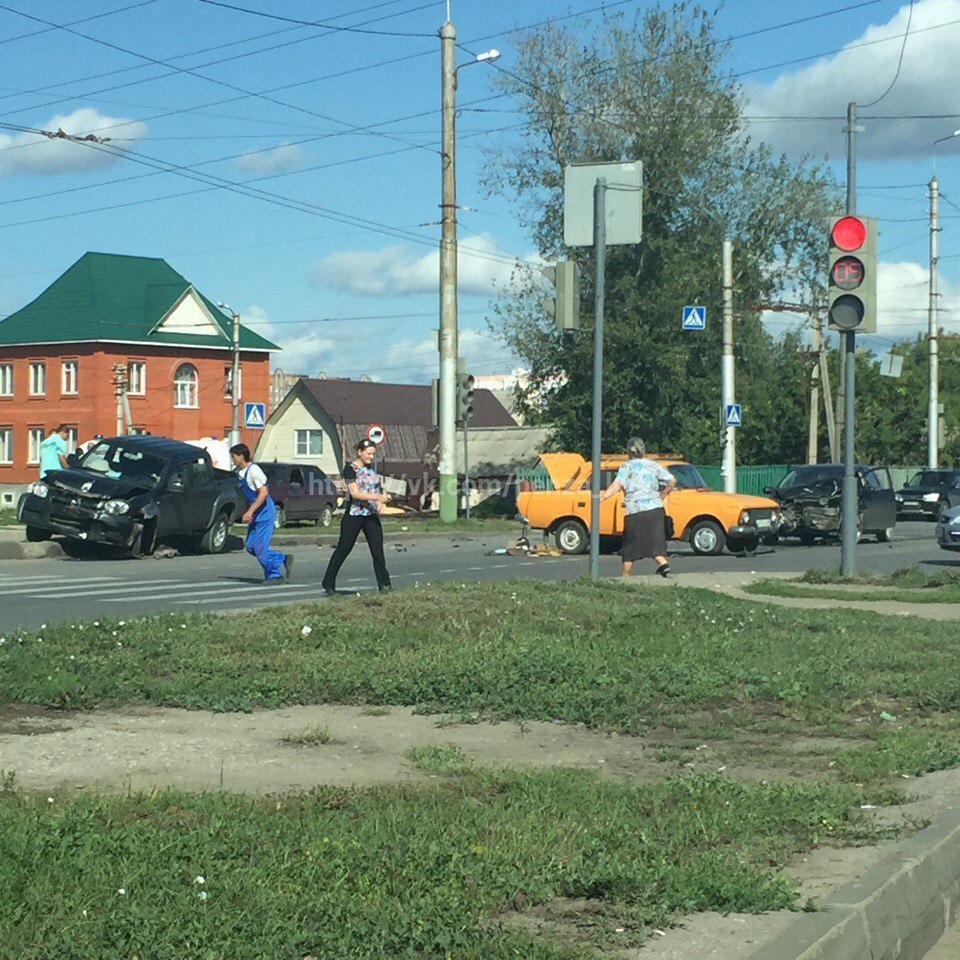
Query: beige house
x=320 y=421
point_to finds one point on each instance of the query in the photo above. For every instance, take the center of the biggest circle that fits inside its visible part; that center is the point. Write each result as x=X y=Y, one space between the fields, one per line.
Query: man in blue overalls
x=260 y=516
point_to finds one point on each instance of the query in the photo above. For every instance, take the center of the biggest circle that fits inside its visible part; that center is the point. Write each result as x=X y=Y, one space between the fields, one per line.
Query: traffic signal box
x=465 y=396
x=852 y=280
x=565 y=307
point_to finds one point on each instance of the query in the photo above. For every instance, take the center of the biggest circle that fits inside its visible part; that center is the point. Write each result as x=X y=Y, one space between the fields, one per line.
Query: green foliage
x=905 y=750
x=398 y=871
x=907 y=585
x=440 y=760
x=655 y=89
x=577 y=652
x=311 y=737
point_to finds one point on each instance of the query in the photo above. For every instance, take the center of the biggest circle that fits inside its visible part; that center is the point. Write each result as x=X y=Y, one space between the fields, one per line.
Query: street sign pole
x=600 y=247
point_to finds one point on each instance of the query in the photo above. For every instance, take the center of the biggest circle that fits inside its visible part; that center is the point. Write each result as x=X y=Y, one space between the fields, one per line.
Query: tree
x=654 y=89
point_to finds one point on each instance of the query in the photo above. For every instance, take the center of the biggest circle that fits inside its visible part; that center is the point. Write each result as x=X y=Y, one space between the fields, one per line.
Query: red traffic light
x=849 y=233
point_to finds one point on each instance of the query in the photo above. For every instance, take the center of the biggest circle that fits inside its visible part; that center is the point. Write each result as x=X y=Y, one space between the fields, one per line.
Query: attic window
x=186 y=386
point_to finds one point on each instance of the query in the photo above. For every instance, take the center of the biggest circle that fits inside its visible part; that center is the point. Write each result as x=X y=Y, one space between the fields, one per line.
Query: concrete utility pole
x=448 y=279
x=234 y=374
x=813 y=435
x=599 y=301
x=933 y=403
x=829 y=413
x=848 y=509
x=728 y=392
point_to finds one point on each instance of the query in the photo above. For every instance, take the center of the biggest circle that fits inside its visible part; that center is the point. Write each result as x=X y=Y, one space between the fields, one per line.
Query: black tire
x=771 y=539
x=215 y=539
x=326 y=516
x=885 y=536
x=743 y=544
x=37 y=534
x=280 y=520
x=707 y=538
x=143 y=542
x=807 y=538
x=77 y=549
x=571 y=537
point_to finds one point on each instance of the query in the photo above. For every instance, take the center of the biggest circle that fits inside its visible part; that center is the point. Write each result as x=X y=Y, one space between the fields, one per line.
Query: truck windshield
x=931 y=478
x=116 y=460
x=810 y=476
x=687 y=476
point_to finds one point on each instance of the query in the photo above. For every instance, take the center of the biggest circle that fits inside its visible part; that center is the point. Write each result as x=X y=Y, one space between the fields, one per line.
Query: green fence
x=750 y=479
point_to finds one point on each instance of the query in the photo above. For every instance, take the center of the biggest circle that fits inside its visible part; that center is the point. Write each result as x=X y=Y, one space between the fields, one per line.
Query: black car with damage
x=929 y=494
x=810 y=498
x=132 y=493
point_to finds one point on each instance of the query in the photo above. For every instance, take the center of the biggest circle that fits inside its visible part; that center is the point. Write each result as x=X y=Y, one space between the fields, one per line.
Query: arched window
x=185 y=385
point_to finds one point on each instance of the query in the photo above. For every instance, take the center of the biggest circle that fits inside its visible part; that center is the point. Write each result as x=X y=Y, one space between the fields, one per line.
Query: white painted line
x=134 y=589
x=219 y=593
x=268 y=597
x=53 y=590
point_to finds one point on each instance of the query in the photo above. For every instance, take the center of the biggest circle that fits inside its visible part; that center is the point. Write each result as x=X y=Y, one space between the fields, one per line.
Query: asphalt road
x=34 y=592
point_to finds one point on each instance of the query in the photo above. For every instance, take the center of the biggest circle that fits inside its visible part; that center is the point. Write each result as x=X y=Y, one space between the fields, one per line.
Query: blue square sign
x=734 y=415
x=693 y=318
x=254 y=415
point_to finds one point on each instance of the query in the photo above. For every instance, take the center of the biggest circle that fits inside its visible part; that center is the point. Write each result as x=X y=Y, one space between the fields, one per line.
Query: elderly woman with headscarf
x=645 y=485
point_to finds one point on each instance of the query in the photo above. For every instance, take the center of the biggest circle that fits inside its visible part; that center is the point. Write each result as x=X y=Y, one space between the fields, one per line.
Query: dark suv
x=301 y=492
x=929 y=494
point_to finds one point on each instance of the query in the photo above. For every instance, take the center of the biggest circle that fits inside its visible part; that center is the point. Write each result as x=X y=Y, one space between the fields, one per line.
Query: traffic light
x=565 y=308
x=465 y=395
x=852 y=280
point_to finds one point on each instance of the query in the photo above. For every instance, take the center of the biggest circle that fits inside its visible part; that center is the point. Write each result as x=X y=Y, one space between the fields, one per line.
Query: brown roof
x=395 y=404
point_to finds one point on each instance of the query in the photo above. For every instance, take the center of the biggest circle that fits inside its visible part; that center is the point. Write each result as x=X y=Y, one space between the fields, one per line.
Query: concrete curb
x=896 y=911
x=14 y=550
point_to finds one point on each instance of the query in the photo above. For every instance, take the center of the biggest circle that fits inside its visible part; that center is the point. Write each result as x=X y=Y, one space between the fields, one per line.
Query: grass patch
x=311 y=737
x=904 y=577
x=400 y=871
x=904 y=750
x=8 y=518
x=843 y=591
x=373 y=711
x=443 y=760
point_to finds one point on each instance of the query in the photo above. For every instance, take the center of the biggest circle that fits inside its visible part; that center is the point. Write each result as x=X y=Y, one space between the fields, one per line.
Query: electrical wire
x=73 y=23
x=896 y=76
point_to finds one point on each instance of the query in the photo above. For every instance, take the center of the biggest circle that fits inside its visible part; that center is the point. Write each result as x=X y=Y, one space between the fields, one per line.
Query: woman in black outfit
x=362 y=513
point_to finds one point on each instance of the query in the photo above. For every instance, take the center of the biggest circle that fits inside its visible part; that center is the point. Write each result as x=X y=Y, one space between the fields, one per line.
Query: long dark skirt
x=644 y=535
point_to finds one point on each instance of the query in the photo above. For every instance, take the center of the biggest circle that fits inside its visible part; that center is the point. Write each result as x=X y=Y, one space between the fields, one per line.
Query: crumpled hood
x=90 y=483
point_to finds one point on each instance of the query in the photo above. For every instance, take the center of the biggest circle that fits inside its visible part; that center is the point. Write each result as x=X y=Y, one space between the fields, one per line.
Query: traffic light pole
x=849 y=507
x=933 y=405
x=729 y=469
x=600 y=248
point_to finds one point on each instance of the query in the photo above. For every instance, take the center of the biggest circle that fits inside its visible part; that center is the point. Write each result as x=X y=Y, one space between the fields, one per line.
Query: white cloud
x=417 y=361
x=305 y=349
x=37 y=154
x=928 y=81
x=482 y=270
x=288 y=156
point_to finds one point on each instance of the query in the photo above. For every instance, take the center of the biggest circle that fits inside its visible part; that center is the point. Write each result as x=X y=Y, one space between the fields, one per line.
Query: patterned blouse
x=367 y=479
x=641 y=481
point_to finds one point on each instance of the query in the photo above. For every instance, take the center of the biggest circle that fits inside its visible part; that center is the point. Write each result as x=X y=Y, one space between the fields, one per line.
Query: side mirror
x=769 y=491
x=175 y=485
x=72 y=459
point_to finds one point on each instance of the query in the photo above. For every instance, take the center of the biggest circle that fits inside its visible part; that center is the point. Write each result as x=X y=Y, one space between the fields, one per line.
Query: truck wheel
x=571 y=537
x=807 y=538
x=707 y=538
x=37 y=534
x=214 y=540
x=885 y=536
x=743 y=544
x=280 y=519
x=326 y=516
x=143 y=542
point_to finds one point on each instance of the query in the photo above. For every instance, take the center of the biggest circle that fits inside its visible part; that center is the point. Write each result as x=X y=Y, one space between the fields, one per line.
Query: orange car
x=708 y=520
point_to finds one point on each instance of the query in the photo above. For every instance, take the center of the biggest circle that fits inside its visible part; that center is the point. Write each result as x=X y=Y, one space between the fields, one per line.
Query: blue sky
x=341 y=127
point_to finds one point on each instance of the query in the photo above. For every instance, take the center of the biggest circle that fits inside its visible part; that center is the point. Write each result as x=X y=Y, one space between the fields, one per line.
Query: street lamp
x=235 y=374
x=447 y=415
x=933 y=325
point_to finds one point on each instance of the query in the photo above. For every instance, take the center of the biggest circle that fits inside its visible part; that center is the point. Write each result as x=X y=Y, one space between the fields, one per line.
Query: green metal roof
x=111 y=297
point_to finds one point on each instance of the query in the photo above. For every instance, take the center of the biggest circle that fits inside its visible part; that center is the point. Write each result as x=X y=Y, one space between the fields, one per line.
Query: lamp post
x=448 y=270
x=933 y=325
x=235 y=374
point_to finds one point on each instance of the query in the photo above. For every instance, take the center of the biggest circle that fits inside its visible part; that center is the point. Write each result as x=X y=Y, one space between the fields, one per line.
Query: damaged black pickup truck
x=132 y=493
x=810 y=501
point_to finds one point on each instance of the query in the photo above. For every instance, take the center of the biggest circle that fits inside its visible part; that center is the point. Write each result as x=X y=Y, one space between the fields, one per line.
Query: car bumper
x=948 y=536
x=922 y=509
x=80 y=523
x=756 y=529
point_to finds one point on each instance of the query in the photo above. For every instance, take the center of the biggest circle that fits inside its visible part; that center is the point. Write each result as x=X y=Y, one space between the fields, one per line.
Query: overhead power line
x=896 y=76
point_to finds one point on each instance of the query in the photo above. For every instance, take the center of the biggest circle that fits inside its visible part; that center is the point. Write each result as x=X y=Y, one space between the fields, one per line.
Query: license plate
x=911 y=503
x=763 y=523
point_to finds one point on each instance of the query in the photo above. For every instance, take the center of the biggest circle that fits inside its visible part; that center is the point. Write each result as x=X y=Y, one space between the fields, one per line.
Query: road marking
x=225 y=592
x=274 y=590
x=132 y=590
x=51 y=589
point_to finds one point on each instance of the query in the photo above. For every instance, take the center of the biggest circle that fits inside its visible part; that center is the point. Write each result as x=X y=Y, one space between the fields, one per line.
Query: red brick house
x=57 y=358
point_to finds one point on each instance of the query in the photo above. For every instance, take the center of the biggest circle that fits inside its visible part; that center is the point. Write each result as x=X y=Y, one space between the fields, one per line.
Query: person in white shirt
x=260 y=516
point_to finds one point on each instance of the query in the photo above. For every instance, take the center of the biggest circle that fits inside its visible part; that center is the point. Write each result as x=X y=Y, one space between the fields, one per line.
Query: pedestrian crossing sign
x=254 y=415
x=734 y=415
x=694 y=318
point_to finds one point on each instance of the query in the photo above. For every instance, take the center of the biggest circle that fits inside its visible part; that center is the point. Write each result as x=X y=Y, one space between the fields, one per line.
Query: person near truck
x=53 y=451
x=260 y=516
x=362 y=513
x=645 y=485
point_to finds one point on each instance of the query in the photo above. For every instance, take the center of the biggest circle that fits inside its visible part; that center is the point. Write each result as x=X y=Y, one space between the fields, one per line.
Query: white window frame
x=6 y=445
x=38 y=378
x=306 y=432
x=72 y=439
x=141 y=367
x=34 y=439
x=6 y=379
x=69 y=377
x=228 y=381
x=185 y=390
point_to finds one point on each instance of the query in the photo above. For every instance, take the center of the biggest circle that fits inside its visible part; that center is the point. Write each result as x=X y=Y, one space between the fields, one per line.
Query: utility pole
x=729 y=465
x=235 y=382
x=848 y=508
x=600 y=250
x=448 y=279
x=933 y=333
x=829 y=412
x=813 y=436
x=120 y=392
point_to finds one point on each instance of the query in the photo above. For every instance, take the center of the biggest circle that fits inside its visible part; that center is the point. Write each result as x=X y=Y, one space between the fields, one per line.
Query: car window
x=687 y=476
x=810 y=476
x=874 y=479
x=196 y=474
x=296 y=476
x=115 y=459
x=931 y=478
x=956 y=481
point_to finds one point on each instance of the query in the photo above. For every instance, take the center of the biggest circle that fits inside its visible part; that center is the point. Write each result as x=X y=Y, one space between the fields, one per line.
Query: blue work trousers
x=259 y=533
